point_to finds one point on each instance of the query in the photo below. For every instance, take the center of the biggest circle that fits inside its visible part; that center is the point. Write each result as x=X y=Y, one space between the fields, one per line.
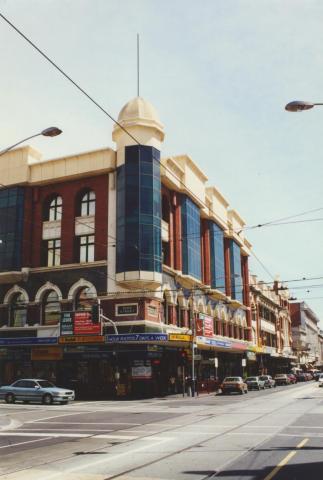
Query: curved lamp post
x=299 y=106
x=48 y=132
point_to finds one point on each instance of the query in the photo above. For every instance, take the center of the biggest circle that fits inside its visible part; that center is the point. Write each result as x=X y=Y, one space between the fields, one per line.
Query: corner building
x=143 y=235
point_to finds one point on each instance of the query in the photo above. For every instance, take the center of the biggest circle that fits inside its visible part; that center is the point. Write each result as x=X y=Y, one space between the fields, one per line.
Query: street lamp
x=48 y=132
x=299 y=106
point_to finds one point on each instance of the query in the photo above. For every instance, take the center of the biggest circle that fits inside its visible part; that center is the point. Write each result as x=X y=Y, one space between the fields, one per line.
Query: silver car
x=35 y=390
x=255 y=383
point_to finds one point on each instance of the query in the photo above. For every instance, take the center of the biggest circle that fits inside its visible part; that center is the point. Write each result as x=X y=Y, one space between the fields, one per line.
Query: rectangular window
x=86 y=248
x=53 y=253
x=217 y=257
x=191 y=241
x=235 y=268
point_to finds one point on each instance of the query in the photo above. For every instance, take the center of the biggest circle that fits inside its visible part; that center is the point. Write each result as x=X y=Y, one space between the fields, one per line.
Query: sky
x=219 y=72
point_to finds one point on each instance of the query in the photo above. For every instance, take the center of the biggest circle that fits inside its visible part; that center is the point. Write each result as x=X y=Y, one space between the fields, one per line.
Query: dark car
x=35 y=390
x=269 y=381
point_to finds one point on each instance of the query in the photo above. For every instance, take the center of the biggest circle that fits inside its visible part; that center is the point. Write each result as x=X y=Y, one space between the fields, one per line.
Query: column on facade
x=178 y=265
x=227 y=266
x=205 y=253
x=246 y=293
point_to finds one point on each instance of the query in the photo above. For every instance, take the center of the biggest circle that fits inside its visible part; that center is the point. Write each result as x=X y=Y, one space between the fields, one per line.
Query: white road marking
x=23 y=443
x=85 y=423
x=67 y=435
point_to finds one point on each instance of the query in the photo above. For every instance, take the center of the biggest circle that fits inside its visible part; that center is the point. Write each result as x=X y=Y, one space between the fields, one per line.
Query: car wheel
x=10 y=398
x=241 y=392
x=47 y=399
x=259 y=388
x=246 y=391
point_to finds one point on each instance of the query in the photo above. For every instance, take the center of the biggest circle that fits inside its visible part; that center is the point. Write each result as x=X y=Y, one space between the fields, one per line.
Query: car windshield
x=281 y=375
x=232 y=379
x=263 y=377
x=45 y=384
x=252 y=379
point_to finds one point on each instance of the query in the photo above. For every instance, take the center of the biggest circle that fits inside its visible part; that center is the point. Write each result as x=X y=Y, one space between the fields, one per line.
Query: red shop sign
x=83 y=324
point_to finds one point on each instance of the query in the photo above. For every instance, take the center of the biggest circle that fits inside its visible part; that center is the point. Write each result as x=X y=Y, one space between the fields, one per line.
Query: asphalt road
x=276 y=434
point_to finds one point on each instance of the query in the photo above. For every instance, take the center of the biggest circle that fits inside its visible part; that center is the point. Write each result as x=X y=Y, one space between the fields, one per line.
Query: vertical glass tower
x=139 y=211
x=138 y=195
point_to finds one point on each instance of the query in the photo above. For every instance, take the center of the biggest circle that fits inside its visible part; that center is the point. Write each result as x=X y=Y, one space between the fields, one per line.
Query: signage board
x=137 y=337
x=251 y=356
x=204 y=325
x=28 y=341
x=66 y=325
x=213 y=342
x=82 y=339
x=178 y=337
x=78 y=323
x=216 y=362
x=46 y=353
x=83 y=324
x=141 y=372
x=244 y=362
x=208 y=327
x=199 y=327
x=125 y=309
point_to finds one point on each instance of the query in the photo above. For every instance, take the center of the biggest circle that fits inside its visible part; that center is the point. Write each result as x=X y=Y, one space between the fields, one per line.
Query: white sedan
x=320 y=380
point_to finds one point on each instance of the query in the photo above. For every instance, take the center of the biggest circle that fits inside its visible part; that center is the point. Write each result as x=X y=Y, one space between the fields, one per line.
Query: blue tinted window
x=217 y=257
x=139 y=210
x=235 y=268
x=191 y=225
x=11 y=228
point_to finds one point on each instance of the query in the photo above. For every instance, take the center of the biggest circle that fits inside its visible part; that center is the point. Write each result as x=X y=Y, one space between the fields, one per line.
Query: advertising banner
x=83 y=324
x=204 y=326
x=78 y=323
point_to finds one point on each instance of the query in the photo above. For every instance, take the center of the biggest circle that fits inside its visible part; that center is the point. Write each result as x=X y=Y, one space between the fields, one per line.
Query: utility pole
x=193 y=346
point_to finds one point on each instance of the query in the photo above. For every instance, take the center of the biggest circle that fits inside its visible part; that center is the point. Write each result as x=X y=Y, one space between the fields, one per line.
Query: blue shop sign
x=213 y=342
x=137 y=337
x=28 y=341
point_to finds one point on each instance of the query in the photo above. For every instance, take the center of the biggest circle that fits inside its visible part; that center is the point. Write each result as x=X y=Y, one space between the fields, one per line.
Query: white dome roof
x=137 y=108
x=139 y=112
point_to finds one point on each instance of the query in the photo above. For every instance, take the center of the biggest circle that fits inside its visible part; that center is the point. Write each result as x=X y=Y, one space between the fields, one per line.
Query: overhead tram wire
x=106 y=113
x=68 y=77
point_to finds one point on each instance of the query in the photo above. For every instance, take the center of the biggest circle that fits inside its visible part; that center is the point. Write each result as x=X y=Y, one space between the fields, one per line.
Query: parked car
x=269 y=381
x=309 y=376
x=320 y=380
x=292 y=378
x=35 y=390
x=282 y=379
x=317 y=376
x=234 y=384
x=254 y=383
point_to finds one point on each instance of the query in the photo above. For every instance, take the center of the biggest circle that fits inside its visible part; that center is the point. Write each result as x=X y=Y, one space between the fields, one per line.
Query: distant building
x=305 y=331
x=271 y=326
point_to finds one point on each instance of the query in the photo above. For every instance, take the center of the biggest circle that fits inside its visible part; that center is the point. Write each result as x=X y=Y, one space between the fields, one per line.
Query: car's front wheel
x=47 y=399
x=10 y=398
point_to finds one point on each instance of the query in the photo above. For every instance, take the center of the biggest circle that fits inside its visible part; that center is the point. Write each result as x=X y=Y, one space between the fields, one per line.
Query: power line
x=68 y=77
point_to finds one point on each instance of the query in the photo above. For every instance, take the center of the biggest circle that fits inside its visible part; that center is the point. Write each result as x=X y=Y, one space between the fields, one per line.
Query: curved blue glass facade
x=139 y=211
x=191 y=233
x=217 y=257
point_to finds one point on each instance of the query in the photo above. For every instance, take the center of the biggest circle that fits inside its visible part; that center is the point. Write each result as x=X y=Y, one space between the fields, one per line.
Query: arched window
x=55 y=209
x=51 y=308
x=18 y=311
x=88 y=204
x=84 y=298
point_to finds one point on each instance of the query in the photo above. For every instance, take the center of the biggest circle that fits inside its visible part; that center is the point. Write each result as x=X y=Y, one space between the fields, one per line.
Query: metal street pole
x=48 y=132
x=193 y=347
